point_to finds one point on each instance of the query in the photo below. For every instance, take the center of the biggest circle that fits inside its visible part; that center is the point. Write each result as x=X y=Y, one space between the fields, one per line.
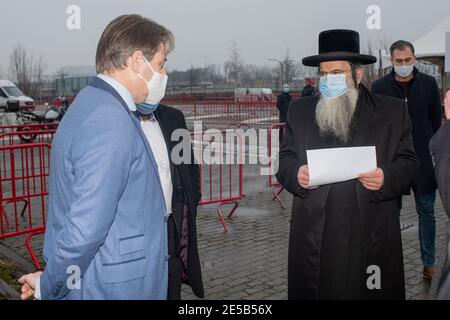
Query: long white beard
x=334 y=116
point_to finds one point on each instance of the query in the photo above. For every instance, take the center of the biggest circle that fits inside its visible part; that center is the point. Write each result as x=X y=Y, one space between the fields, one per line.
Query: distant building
x=70 y=80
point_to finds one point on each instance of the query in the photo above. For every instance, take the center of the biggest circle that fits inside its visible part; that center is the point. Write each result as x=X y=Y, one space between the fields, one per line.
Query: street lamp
x=281 y=69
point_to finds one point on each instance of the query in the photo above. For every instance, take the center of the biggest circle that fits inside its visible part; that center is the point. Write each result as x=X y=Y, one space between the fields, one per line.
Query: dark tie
x=136 y=114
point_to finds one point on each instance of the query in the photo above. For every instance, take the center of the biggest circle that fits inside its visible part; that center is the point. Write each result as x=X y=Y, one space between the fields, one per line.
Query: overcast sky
x=204 y=29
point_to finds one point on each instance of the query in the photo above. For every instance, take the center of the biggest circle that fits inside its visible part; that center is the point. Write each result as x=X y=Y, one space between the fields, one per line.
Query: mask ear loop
x=150 y=66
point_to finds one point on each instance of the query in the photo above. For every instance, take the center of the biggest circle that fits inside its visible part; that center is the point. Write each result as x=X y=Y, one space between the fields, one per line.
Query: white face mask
x=156 y=86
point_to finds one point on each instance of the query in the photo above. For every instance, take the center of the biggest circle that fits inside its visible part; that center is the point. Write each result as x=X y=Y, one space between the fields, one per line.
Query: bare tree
x=212 y=73
x=235 y=65
x=38 y=77
x=259 y=76
x=61 y=76
x=194 y=75
x=289 y=69
x=26 y=71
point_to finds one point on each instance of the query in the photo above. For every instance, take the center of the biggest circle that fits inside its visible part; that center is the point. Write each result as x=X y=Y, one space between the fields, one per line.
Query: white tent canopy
x=431 y=47
x=433 y=42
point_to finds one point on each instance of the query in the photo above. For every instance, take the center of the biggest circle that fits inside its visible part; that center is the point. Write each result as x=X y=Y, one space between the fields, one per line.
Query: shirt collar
x=124 y=93
x=149 y=117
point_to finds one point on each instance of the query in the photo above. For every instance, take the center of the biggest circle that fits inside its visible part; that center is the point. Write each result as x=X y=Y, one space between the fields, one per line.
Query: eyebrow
x=334 y=70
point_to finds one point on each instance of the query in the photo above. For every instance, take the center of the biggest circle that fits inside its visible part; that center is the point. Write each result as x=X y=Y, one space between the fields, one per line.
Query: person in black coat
x=283 y=101
x=341 y=232
x=421 y=93
x=309 y=89
x=184 y=262
x=440 y=150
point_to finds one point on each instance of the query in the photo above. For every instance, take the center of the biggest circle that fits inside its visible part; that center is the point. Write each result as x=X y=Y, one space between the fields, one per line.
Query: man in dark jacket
x=309 y=89
x=184 y=262
x=440 y=150
x=341 y=232
x=421 y=93
x=283 y=101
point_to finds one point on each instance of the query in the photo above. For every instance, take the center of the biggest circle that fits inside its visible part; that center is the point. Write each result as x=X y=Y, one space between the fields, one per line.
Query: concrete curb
x=8 y=292
x=24 y=265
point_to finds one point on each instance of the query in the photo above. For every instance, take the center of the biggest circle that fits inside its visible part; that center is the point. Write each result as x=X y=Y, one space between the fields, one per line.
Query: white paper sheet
x=341 y=164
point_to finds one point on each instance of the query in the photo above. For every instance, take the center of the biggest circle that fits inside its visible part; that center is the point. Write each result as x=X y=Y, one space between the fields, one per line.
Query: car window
x=3 y=94
x=13 y=91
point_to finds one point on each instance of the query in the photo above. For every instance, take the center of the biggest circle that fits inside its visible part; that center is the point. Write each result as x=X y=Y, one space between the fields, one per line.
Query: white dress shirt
x=126 y=95
x=157 y=142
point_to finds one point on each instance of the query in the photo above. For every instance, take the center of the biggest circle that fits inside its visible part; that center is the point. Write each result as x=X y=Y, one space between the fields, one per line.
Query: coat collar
x=104 y=86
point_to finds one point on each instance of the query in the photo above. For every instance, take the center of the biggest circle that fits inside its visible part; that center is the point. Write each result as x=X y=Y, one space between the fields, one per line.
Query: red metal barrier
x=272 y=182
x=220 y=183
x=225 y=113
x=24 y=173
x=35 y=136
x=29 y=127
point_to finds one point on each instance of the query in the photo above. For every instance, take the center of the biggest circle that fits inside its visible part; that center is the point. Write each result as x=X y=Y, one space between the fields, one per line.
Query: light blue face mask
x=404 y=71
x=333 y=85
x=286 y=90
x=146 y=108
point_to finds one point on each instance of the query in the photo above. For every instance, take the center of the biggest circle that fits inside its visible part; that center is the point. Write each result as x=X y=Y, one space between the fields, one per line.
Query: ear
x=359 y=75
x=134 y=61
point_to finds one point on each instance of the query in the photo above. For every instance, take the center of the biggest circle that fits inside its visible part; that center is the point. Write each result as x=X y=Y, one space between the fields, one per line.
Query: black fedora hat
x=337 y=45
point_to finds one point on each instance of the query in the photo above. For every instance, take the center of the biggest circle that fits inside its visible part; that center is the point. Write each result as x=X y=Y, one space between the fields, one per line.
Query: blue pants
x=427 y=227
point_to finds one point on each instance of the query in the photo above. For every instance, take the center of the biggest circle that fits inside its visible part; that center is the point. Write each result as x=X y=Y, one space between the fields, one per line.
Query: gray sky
x=204 y=29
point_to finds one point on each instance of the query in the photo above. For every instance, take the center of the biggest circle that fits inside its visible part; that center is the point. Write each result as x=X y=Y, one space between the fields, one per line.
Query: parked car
x=9 y=91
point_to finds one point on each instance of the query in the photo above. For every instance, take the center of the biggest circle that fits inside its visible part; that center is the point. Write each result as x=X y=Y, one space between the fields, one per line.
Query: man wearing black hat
x=345 y=240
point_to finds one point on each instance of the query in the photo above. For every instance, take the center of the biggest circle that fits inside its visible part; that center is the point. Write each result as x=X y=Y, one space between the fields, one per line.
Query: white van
x=254 y=94
x=9 y=91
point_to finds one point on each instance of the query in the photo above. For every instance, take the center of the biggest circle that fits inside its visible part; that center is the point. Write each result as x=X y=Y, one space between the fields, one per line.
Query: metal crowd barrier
x=24 y=176
x=221 y=180
x=272 y=182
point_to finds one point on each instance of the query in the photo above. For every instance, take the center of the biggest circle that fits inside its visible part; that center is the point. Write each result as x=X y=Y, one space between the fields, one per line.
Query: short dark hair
x=402 y=45
x=127 y=34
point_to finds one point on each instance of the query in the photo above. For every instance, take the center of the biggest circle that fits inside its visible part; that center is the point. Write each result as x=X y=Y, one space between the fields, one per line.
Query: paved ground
x=250 y=260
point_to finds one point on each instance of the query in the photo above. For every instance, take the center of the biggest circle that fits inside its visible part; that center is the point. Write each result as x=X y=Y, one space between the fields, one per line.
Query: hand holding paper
x=303 y=178
x=372 y=181
x=328 y=166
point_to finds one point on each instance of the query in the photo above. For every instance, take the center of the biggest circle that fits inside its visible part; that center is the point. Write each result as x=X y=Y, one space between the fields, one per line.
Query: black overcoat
x=186 y=191
x=379 y=121
x=440 y=150
x=425 y=111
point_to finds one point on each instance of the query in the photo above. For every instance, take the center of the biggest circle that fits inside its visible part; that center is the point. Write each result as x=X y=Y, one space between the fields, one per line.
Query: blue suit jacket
x=106 y=212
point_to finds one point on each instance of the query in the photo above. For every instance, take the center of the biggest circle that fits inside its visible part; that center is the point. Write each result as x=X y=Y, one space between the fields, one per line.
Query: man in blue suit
x=106 y=235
